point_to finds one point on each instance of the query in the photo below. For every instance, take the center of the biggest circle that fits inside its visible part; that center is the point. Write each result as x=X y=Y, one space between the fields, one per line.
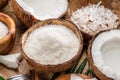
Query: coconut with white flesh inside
x=3 y=30
x=11 y=61
x=50 y=44
x=105 y=53
x=94 y=18
x=44 y=9
x=76 y=77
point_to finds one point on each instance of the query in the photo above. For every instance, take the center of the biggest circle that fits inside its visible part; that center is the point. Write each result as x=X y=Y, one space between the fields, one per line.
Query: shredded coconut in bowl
x=52 y=44
x=3 y=30
x=94 y=18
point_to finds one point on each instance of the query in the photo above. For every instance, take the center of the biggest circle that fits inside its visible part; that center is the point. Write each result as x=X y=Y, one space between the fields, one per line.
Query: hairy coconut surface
x=3 y=3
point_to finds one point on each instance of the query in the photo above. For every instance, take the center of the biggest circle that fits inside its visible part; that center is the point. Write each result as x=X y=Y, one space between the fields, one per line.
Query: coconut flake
x=106 y=53
x=94 y=18
x=52 y=44
x=44 y=9
x=3 y=30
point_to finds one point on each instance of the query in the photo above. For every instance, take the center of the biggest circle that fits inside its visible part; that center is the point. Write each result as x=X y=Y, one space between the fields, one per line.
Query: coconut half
x=77 y=6
x=75 y=77
x=39 y=9
x=104 y=55
x=52 y=45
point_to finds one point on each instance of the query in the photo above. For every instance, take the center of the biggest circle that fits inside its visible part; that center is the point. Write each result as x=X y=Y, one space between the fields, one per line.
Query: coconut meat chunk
x=44 y=9
x=106 y=53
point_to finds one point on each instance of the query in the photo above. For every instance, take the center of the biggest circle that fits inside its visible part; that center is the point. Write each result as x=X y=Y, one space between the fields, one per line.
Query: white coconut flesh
x=44 y=9
x=94 y=18
x=3 y=29
x=106 y=53
x=76 y=77
x=52 y=44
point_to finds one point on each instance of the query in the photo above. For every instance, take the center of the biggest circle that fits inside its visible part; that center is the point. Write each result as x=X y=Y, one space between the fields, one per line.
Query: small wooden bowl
x=6 y=43
x=3 y=3
x=67 y=77
x=58 y=67
x=77 y=4
x=25 y=17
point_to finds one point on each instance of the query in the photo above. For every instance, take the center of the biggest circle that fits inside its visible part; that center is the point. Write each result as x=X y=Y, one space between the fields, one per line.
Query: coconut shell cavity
x=104 y=55
x=29 y=11
x=52 y=45
x=94 y=18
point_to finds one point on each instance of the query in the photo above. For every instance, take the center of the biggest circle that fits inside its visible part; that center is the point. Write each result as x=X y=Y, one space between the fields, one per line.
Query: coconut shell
x=58 y=67
x=25 y=17
x=77 y=4
x=97 y=72
x=67 y=77
x=6 y=43
x=3 y=3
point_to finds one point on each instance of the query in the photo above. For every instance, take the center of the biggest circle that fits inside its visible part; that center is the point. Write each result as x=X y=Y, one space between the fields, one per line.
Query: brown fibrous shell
x=58 y=67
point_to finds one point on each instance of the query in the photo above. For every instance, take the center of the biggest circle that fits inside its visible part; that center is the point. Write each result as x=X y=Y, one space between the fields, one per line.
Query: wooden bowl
x=3 y=3
x=6 y=43
x=77 y=4
x=58 y=67
x=25 y=17
x=67 y=77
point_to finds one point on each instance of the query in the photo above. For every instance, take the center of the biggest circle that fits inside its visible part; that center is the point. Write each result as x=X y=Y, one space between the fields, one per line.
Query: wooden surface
x=24 y=67
x=4 y=71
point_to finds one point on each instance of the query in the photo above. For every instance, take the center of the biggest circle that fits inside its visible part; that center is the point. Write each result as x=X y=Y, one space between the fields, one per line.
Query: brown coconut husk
x=3 y=3
x=58 y=67
x=97 y=72
x=67 y=77
x=53 y=68
x=6 y=43
x=77 y=4
x=25 y=17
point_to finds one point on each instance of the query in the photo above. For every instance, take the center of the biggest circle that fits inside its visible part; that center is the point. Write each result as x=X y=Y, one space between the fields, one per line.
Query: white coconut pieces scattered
x=44 y=9
x=11 y=61
x=106 y=53
x=93 y=18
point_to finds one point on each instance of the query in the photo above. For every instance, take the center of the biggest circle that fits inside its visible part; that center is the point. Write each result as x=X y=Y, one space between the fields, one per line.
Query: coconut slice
x=104 y=54
x=39 y=9
x=11 y=61
x=52 y=45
